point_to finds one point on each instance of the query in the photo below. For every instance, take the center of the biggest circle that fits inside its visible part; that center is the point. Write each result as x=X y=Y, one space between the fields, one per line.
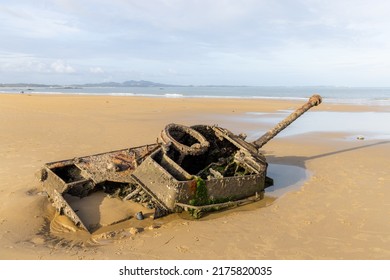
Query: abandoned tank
x=196 y=169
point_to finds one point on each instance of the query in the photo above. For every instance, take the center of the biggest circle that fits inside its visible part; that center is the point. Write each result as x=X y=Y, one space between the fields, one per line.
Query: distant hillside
x=130 y=83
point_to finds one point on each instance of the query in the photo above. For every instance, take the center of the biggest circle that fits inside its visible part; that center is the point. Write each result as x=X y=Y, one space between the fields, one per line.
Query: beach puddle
x=287 y=178
x=356 y=125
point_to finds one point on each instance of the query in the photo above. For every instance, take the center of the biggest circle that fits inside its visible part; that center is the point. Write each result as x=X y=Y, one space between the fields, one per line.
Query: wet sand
x=340 y=211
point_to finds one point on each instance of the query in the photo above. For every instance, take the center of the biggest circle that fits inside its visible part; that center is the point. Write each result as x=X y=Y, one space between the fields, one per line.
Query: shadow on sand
x=290 y=172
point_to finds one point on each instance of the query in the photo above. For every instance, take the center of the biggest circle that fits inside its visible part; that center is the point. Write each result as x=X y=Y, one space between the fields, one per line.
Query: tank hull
x=199 y=183
x=198 y=168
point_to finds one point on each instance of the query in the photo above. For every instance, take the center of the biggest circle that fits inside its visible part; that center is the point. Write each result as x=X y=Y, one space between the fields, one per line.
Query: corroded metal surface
x=315 y=100
x=197 y=168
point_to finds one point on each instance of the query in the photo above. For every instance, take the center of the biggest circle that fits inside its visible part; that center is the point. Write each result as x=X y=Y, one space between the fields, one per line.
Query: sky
x=196 y=42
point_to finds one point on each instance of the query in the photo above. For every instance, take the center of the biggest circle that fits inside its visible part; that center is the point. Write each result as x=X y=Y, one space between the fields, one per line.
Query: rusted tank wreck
x=197 y=168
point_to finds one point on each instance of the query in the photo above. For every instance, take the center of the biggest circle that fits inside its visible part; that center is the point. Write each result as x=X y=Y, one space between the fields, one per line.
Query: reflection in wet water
x=352 y=124
x=286 y=178
x=369 y=124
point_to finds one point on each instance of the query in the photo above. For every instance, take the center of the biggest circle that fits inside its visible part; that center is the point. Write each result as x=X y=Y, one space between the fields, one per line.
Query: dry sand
x=341 y=212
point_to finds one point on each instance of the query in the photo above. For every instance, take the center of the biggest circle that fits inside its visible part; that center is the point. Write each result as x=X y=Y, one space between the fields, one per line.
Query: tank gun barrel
x=313 y=101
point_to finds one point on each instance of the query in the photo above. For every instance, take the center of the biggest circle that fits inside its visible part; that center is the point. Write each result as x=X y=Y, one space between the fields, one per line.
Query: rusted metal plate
x=198 y=168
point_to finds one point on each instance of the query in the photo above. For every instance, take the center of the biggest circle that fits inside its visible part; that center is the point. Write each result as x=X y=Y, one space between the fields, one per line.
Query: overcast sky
x=247 y=42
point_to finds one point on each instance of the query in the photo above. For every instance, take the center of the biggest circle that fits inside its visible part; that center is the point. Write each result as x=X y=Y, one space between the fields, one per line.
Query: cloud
x=22 y=62
x=60 y=66
x=96 y=70
x=208 y=41
x=13 y=62
x=32 y=21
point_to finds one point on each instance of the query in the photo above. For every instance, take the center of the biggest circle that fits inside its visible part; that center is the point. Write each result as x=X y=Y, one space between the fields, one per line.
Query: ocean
x=346 y=95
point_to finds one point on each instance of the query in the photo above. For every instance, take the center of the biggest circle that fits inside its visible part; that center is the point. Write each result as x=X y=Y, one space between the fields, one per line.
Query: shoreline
x=346 y=105
x=372 y=102
x=336 y=214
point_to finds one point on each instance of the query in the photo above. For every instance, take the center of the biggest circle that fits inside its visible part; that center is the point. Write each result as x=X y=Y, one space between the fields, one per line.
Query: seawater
x=369 y=125
x=361 y=95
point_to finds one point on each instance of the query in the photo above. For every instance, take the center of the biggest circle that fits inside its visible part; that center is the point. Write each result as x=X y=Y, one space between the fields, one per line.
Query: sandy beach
x=340 y=211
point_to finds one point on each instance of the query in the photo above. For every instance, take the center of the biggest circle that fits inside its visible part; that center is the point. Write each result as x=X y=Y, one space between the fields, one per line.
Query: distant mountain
x=106 y=84
x=144 y=84
x=130 y=83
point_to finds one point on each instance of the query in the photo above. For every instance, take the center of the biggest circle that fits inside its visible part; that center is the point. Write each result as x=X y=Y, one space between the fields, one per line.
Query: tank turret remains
x=197 y=169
